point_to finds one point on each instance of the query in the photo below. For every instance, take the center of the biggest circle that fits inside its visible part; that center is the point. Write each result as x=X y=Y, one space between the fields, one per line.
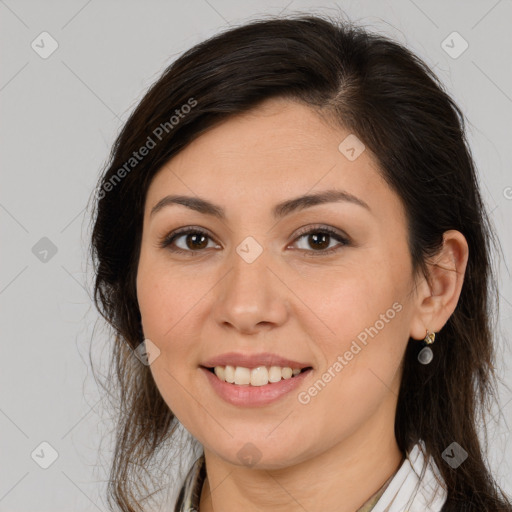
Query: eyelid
x=321 y=228
x=168 y=238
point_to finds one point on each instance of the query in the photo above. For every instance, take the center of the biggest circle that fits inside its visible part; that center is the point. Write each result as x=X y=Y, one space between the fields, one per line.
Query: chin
x=260 y=455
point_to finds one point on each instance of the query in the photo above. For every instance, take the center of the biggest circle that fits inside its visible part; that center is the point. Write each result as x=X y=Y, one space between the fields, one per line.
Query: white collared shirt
x=409 y=490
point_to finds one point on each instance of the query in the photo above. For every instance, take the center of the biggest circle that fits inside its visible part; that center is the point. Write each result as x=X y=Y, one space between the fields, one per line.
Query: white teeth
x=275 y=374
x=220 y=372
x=229 y=374
x=242 y=375
x=259 y=376
x=287 y=372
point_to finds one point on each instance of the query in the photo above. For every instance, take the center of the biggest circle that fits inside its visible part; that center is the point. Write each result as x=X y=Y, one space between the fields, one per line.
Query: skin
x=292 y=301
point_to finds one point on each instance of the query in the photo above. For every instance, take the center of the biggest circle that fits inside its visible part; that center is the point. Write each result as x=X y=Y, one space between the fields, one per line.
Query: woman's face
x=265 y=284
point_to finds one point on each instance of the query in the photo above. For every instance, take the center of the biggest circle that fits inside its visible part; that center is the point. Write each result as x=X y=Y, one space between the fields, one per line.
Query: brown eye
x=320 y=241
x=319 y=238
x=194 y=240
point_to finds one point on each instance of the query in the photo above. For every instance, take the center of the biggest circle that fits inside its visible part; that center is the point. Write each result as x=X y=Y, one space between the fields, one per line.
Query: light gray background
x=59 y=117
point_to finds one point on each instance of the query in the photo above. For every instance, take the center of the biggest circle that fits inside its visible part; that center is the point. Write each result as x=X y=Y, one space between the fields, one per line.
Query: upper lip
x=253 y=361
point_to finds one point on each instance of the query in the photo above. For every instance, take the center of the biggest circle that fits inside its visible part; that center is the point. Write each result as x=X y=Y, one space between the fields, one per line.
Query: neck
x=346 y=477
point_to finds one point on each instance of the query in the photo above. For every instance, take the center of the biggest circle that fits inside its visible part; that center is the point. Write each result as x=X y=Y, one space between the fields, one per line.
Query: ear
x=437 y=296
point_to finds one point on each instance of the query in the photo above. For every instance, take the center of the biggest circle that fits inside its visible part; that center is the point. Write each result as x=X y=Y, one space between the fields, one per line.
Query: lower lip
x=254 y=396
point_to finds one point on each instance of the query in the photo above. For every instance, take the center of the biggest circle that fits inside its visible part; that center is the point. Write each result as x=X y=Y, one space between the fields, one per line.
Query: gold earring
x=429 y=337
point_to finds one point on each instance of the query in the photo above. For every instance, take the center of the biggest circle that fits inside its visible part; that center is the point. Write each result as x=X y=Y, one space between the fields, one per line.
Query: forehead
x=278 y=150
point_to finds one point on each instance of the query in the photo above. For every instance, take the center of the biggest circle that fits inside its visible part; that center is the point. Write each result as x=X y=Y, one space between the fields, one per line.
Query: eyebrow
x=279 y=211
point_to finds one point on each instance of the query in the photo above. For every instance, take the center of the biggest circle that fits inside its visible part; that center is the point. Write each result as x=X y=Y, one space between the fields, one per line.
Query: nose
x=252 y=296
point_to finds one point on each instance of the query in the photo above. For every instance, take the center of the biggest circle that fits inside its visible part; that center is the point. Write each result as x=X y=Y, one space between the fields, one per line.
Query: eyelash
x=167 y=240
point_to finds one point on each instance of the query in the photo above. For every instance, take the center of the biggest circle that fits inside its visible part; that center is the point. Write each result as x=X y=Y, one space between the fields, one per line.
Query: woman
x=290 y=239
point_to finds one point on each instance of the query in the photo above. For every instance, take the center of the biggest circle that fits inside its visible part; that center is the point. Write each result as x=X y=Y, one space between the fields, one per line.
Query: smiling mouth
x=259 y=376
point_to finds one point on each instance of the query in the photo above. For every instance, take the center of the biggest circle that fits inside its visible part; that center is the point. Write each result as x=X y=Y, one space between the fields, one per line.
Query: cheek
x=363 y=332
x=167 y=317
x=361 y=370
x=347 y=301
x=166 y=299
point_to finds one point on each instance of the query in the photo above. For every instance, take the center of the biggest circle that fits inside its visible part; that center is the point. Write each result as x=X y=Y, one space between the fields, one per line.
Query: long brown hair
x=394 y=103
